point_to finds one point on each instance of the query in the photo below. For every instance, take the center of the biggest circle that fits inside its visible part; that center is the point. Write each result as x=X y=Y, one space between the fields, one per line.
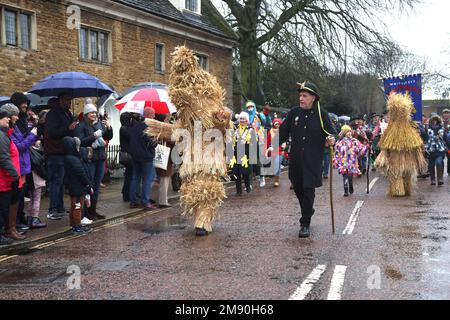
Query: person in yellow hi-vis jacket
x=241 y=164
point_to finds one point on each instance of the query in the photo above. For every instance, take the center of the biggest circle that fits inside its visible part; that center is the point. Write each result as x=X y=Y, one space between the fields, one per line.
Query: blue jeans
x=278 y=160
x=97 y=171
x=143 y=175
x=55 y=180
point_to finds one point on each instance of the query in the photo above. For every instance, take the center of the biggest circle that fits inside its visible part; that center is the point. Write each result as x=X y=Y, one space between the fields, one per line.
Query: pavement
x=110 y=204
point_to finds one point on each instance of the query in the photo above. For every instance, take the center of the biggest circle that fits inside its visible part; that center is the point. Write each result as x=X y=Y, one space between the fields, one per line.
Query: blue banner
x=411 y=84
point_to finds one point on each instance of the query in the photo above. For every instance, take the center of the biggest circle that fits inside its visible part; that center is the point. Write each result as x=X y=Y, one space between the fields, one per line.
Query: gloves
x=34 y=131
x=98 y=133
x=15 y=184
x=95 y=144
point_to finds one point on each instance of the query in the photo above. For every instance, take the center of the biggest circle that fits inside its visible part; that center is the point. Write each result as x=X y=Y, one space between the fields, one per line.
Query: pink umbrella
x=140 y=99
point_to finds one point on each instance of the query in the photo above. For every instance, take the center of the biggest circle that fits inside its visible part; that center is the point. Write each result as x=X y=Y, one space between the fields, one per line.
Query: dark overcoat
x=308 y=141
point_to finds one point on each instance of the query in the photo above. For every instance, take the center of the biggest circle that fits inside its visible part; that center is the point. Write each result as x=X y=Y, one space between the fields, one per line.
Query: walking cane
x=368 y=167
x=331 y=187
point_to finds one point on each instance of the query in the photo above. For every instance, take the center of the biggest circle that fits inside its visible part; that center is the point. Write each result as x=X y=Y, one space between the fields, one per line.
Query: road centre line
x=308 y=284
x=337 y=282
x=353 y=217
x=373 y=183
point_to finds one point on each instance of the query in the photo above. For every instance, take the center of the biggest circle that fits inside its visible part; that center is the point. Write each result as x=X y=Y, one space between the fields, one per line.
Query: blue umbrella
x=79 y=84
x=155 y=85
x=4 y=100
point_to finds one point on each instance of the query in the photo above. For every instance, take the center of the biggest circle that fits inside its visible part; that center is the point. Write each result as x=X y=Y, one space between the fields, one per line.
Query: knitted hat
x=11 y=109
x=249 y=104
x=18 y=98
x=345 y=129
x=89 y=107
x=244 y=115
x=308 y=87
x=277 y=120
x=446 y=110
x=3 y=113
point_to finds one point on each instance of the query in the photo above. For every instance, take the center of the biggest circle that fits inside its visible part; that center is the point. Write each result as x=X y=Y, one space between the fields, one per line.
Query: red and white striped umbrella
x=138 y=100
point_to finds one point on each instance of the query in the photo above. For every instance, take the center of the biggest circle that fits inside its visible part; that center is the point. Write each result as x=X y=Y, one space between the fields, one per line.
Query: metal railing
x=112 y=157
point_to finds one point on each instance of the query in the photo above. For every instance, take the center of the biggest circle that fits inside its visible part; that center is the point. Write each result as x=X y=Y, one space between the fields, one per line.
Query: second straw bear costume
x=401 y=156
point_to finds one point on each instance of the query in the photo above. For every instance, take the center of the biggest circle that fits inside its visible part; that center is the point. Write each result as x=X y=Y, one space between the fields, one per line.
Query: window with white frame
x=16 y=27
x=94 y=45
x=203 y=61
x=192 y=5
x=159 y=58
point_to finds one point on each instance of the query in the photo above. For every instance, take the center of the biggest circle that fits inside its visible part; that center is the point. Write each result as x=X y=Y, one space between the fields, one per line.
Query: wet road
x=383 y=248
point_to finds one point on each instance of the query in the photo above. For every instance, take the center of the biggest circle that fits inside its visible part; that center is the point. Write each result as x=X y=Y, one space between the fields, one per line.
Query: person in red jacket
x=10 y=182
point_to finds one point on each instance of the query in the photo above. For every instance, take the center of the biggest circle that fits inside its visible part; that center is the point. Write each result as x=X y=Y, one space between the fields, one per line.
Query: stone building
x=122 y=42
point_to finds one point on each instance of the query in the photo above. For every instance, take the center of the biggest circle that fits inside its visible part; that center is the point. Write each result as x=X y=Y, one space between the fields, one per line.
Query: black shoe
x=350 y=189
x=238 y=194
x=200 y=232
x=325 y=177
x=4 y=241
x=164 y=206
x=345 y=194
x=304 y=232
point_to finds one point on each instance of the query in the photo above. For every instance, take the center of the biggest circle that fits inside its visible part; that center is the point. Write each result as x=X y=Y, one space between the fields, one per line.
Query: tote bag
x=162 y=154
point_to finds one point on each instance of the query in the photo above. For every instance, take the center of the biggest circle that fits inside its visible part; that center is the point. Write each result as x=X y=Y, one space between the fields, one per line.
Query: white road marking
x=7 y=258
x=309 y=282
x=337 y=282
x=353 y=217
x=373 y=183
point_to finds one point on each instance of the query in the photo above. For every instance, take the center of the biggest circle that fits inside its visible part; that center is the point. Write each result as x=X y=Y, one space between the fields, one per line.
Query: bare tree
x=319 y=27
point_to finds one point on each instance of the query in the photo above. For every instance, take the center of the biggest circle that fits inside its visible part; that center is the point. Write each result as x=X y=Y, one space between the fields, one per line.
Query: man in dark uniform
x=309 y=127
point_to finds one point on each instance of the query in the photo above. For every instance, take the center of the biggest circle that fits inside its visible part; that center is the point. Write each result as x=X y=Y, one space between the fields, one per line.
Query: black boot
x=345 y=187
x=238 y=187
x=304 y=232
x=440 y=175
x=350 y=186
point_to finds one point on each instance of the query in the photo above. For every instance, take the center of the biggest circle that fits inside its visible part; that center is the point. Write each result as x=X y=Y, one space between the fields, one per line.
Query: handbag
x=37 y=161
x=124 y=158
x=162 y=154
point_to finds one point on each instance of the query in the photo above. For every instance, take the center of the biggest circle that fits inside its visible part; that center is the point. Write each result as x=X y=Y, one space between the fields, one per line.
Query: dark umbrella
x=154 y=85
x=78 y=84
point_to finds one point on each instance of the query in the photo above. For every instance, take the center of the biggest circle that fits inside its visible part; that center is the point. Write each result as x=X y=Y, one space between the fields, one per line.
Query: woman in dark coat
x=93 y=134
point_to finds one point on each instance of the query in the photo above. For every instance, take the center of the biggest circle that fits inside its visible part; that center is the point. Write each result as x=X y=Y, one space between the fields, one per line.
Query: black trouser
x=127 y=183
x=20 y=210
x=306 y=198
x=448 y=163
x=239 y=182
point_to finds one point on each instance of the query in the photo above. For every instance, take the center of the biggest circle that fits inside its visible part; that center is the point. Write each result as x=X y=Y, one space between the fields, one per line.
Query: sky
x=423 y=31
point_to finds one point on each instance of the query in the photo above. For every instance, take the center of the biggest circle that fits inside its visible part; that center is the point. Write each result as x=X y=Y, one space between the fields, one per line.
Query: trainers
x=86 y=221
x=4 y=241
x=80 y=230
x=22 y=227
x=262 y=182
x=53 y=216
x=36 y=223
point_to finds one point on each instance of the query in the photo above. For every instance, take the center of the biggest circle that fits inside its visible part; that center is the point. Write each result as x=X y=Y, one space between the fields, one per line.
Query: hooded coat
x=76 y=179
